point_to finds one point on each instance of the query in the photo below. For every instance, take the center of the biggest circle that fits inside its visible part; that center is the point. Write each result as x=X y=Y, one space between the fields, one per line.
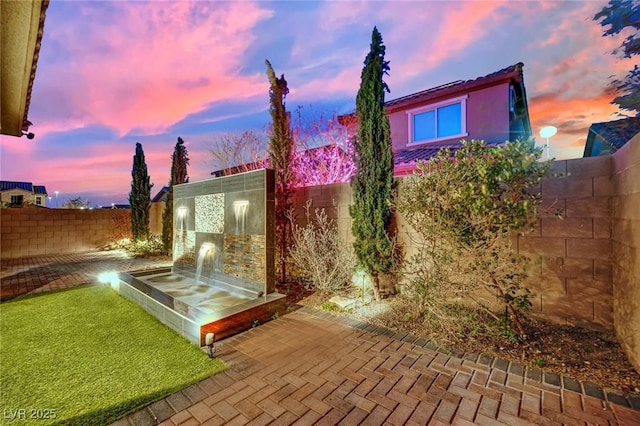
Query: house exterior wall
x=625 y=236
x=28 y=197
x=487 y=117
x=33 y=232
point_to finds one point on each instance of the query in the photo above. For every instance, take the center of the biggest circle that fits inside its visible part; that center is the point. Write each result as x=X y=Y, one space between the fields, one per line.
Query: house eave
x=22 y=29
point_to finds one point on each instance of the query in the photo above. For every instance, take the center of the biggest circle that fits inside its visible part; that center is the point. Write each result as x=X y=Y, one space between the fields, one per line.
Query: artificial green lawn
x=90 y=355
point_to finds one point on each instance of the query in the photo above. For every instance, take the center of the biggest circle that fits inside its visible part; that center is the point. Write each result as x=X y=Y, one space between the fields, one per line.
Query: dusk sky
x=114 y=73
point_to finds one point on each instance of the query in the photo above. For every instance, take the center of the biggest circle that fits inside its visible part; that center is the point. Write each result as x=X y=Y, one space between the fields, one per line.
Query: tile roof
x=617 y=132
x=39 y=189
x=412 y=155
x=511 y=72
x=6 y=185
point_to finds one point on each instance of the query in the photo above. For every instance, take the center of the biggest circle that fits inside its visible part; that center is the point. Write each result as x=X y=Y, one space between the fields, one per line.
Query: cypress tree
x=179 y=162
x=280 y=158
x=372 y=181
x=139 y=196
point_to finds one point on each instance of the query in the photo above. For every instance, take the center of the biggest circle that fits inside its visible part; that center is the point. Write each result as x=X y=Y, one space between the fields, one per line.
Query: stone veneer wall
x=626 y=248
x=209 y=213
x=37 y=231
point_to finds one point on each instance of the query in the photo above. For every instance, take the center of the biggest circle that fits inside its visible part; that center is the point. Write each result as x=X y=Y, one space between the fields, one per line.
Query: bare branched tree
x=324 y=151
x=237 y=153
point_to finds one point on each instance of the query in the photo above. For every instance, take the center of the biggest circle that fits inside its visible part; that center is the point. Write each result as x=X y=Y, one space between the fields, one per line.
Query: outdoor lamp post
x=56 y=192
x=547 y=132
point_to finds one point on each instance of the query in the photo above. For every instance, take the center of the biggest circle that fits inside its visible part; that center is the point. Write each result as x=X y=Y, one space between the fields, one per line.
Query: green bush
x=464 y=206
x=151 y=247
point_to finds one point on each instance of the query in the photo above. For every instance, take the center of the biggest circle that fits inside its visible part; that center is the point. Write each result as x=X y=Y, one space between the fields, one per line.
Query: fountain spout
x=207 y=251
x=240 y=211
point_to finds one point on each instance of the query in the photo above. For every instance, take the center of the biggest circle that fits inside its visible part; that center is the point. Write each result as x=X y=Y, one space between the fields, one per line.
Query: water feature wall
x=224 y=230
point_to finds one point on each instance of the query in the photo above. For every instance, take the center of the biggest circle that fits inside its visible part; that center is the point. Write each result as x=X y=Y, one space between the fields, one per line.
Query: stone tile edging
x=532 y=373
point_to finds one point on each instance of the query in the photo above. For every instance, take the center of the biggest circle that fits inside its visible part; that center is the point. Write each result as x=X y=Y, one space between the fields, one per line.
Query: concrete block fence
x=36 y=231
x=585 y=247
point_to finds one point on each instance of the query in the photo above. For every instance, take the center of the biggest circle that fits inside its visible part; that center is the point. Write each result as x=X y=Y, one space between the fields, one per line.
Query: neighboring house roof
x=412 y=155
x=406 y=156
x=262 y=163
x=6 y=185
x=39 y=189
x=608 y=137
x=22 y=25
x=513 y=72
x=161 y=196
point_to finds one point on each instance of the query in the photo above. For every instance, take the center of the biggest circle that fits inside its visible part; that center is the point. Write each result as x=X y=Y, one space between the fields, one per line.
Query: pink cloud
x=161 y=62
x=572 y=117
x=455 y=26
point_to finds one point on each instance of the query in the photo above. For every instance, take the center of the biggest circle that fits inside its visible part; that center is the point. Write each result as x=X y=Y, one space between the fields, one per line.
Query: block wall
x=585 y=247
x=36 y=231
x=570 y=247
x=625 y=240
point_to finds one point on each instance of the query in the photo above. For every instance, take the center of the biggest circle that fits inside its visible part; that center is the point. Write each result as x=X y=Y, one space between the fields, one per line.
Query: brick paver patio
x=51 y=272
x=311 y=368
x=308 y=367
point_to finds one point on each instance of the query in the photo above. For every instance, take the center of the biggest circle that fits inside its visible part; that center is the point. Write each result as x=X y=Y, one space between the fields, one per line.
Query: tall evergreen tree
x=179 y=162
x=280 y=158
x=372 y=181
x=140 y=196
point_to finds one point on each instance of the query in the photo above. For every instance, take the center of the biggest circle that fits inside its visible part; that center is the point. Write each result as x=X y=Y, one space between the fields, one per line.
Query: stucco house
x=608 y=137
x=492 y=108
x=18 y=194
x=22 y=24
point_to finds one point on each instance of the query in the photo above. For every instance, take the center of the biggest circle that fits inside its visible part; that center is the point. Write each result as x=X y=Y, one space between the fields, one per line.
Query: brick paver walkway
x=310 y=368
x=51 y=272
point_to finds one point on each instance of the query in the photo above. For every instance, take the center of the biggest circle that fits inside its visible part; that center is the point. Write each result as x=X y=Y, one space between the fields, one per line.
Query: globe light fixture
x=547 y=132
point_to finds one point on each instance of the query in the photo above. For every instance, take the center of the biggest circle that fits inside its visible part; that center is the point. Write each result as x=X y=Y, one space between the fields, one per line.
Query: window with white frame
x=38 y=201
x=444 y=120
x=17 y=200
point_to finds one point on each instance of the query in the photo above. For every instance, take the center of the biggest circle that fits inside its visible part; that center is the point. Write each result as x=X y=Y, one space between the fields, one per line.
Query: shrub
x=150 y=247
x=319 y=253
x=464 y=206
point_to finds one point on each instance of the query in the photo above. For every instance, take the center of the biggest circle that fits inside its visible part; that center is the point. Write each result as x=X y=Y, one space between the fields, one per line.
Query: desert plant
x=320 y=254
x=150 y=247
x=372 y=181
x=464 y=206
